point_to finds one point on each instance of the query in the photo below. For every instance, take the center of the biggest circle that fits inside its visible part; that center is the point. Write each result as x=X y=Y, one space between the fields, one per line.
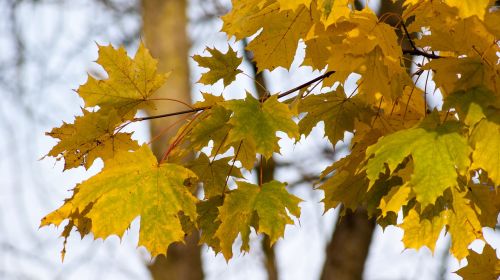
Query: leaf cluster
x=422 y=169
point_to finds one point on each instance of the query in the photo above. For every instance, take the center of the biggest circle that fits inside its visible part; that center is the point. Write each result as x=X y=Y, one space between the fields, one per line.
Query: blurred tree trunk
x=348 y=249
x=165 y=34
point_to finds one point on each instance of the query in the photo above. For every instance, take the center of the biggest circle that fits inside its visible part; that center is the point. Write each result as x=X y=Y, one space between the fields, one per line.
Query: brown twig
x=326 y=75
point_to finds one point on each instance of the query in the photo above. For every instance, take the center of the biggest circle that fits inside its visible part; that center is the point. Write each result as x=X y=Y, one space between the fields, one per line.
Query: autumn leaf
x=293 y=4
x=133 y=184
x=485 y=201
x=211 y=126
x=472 y=105
x=461 y=221
x=264 y=208
x=455 y=74
x=467 y=8
x=484 y=266
x=336 y=110
x=333 y=10
x=208 y=211
x=221 y=66
x=213 y=174
x=275 y=46
x=421 y=231
x=130 y=84
x=427 y=171
x=485 y=139
x=395 y=199
x=257 y=123
x=439 y=153
x=91 y=136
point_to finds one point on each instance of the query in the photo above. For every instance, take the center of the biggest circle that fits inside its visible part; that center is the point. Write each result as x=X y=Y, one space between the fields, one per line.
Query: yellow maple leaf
x=486 y=140
x=420 y=232
x=276 y=46
x=133 y=184
x=459 y=217
x=333 y=10
x=293 y=4
x=129 y=85
x=467 y=8
x=91 y=136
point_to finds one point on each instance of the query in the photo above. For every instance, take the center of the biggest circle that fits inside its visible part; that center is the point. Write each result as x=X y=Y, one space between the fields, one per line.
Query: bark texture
x=165 y=34
x=347 y=251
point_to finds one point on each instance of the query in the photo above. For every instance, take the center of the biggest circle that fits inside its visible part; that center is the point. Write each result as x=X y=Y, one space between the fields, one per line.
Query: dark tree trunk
x=347 y=251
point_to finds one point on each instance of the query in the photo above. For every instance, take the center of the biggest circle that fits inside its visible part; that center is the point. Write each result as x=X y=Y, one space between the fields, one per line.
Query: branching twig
x=422 y=53
x=415 y=50
x=326 y=75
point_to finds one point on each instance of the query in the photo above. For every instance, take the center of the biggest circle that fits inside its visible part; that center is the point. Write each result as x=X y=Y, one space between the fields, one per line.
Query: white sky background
x=59 y=46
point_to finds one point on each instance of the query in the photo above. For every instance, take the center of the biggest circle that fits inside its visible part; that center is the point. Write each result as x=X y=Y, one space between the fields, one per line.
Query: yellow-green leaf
x=472 y=105
x=222 y=66
x=207 y=221
x=213 y=174
x=130 y=83
x=133 y=184
x=264 y=208
x=438 y=153
x=91 y=136
x=486 y=142
x=212 y=125
x=257 y=123
x=338 y=113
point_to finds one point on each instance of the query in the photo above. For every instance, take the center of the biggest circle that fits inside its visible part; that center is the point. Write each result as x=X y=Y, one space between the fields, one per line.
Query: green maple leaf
x=472 y=105
x=338 y=113
x=264 y=208
x=133 y=184
x=130 y=84
x=212 y=125
x=455 y=74
x=222 y=66
x=91 y=136
x=213 y=174
x=257 y=123
x=438 y=153
x=208 y=211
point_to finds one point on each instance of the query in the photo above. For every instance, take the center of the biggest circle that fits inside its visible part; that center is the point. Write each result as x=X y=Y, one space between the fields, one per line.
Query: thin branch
x=232 y=165
x=171 y=114
x=412 y=44
x=422 y=53
x=324 y=76
x=415 y=50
